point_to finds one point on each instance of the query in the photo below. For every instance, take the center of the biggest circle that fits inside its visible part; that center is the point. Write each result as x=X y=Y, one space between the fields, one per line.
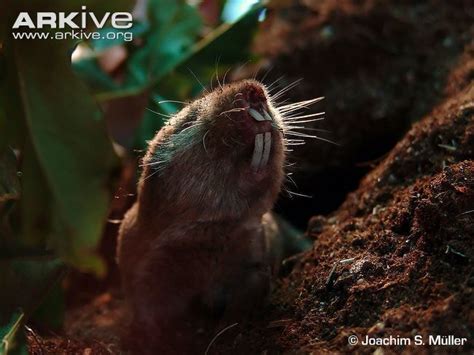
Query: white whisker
x=306 y=121
x=199 y=81
x=289 y=178
x=270 y=86
x=153 y=163
x=308 y=129
x=300 y=104
x=192 y=126
x=286 y=89
x=217 y=72
x=159 y=113
x=288 y=144
x=297 y=194
x=299 y=134
x=233 y=110
x=293 y=140
x=265 y=75
x=225 y=75
x=296 y=117
x=204 y=142
x=170 y=101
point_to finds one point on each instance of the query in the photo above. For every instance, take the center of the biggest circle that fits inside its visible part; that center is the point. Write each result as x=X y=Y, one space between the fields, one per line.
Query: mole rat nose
x=254 y=94
x=251 y=97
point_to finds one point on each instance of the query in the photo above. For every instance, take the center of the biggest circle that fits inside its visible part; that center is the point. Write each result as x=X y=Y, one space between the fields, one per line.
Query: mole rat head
x=221 y=155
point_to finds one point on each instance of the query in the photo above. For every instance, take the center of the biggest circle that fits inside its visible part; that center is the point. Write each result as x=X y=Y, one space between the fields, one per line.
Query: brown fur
x=192 y=250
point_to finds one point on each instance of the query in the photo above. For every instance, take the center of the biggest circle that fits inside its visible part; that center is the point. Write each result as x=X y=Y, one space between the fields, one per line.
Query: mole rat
x=197 y=251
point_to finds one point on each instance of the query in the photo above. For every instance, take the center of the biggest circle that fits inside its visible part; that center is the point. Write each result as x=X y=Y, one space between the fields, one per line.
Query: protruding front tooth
x=256 y=115
x=267 y=115
x=257 y=151
x=266 y=149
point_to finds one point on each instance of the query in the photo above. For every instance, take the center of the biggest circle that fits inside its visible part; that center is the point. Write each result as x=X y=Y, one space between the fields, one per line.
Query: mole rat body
x=194 y=251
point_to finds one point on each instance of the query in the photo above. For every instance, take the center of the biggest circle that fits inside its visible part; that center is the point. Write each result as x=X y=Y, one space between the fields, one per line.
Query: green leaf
x=25 y=280
x=88 y=68
x=51 y=312
x=99 y=8
x=68 y=156
x=9 y=183
x=217 y=51
x=36 y=204
x=8 y=332
x=167 y=39
x=137 y=30
x=3 y=124
x=155 y=116
x=66 y=153
x=169 y=44
x=24 y=283
x=94 y=76
x=151 y=123
x=49 y=117
x=9 y=194
x=173 y=30
x=3 y=119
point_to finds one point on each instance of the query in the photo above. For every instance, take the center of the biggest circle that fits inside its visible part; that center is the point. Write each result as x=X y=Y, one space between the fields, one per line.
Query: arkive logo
x=72 y=20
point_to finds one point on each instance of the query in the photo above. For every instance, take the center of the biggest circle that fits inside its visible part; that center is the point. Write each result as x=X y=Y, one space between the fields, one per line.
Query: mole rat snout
x=252 y=117
x=251 y=112
x=252 y=98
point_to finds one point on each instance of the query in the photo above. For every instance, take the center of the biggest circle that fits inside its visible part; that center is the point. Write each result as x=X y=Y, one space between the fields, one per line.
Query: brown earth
x=396 y=257
x=380 y=65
